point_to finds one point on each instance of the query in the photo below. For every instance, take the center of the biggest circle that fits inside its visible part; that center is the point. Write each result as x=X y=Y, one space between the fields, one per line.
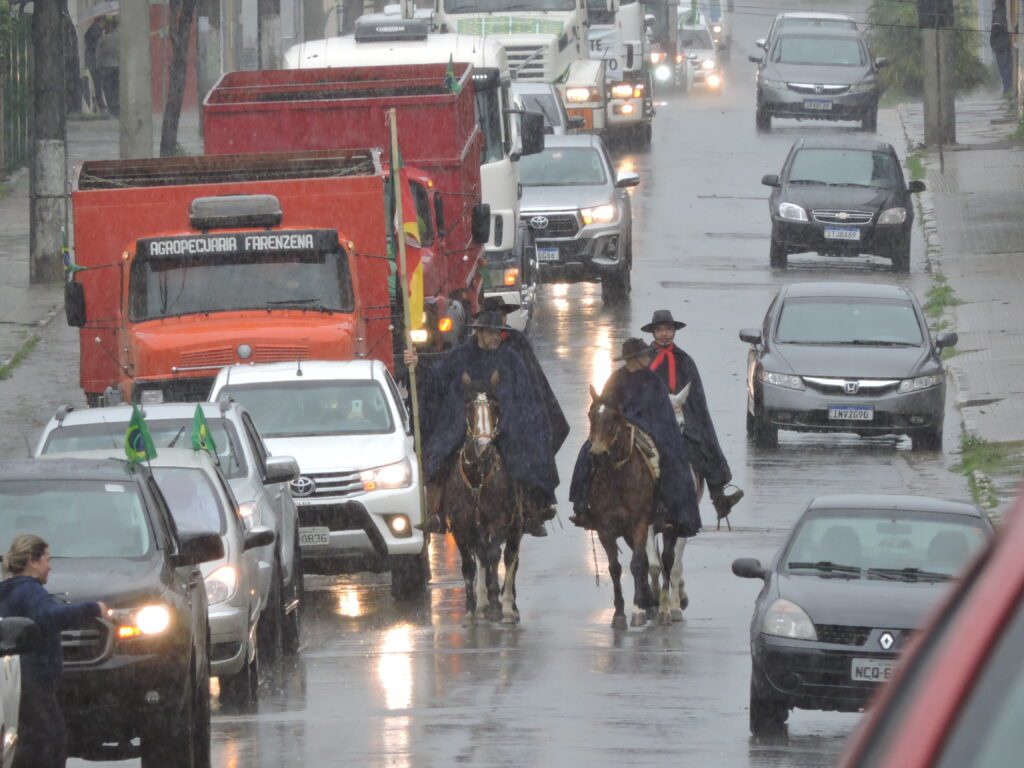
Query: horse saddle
x=648 y=450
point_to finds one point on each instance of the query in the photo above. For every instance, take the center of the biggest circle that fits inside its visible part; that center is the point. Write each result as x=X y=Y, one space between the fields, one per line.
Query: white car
x=17 y=635
x=699 y=61
x=358 y=492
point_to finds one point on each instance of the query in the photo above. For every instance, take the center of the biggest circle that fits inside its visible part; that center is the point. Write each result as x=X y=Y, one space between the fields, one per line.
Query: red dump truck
x=184 y=265
x=439 y=139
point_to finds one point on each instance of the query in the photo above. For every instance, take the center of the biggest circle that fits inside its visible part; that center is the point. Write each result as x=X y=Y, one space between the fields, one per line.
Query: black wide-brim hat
x=662 y=316
x=490 y=318
x=496 y=304
x=633 y=348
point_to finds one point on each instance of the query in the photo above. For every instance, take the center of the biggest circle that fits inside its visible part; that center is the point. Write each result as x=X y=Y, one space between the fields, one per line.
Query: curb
x=38 y=325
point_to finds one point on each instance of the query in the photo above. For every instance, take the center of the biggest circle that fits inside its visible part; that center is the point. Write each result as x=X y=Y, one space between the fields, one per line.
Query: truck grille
x=224 y=356
x=86 y=643
x=839 y=634
x=280 y=354
x=852 y=218
x=552 y=225
x=327 y=485
x=523 y=67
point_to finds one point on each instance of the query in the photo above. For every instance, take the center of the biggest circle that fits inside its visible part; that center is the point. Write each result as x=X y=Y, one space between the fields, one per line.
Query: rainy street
x=379 y=683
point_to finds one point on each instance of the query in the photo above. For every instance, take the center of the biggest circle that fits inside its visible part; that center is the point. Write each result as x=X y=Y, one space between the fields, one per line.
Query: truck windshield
x=77 y=518
x=225 y=282
x=502 y=6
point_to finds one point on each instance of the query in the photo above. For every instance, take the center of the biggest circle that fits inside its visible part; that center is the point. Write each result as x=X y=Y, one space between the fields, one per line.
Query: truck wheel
x=777 y=256
x=767 y=716
x=240 y=692
x=901 y=258
x=926 y=440
x=270 y=630
x=410 y=575
x=170 y=743
x=293 y=621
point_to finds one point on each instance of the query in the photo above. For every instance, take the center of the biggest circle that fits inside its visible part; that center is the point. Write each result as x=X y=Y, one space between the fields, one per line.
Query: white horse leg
x=654 y=564
x=482 y=599
x=677 y=594
x=508 y=600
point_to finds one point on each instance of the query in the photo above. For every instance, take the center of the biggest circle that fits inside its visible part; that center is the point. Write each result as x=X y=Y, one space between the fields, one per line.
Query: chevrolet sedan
x=846 y=357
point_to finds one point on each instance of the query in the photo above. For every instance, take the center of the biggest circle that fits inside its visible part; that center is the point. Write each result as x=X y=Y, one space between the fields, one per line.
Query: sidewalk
x=25 y=308
x=974 y=226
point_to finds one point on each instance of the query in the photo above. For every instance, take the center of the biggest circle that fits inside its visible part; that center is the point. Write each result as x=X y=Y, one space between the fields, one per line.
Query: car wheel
x=241 y=692
x=270 y=630
x=169 y=742
x=410 y=575
x=777 y=256
x=901 y=258
x=870 y=121
x=767 y=716
x=926 y=440
x=292 y=632
x=763 y=120
x=201 y=730
x=763 y=434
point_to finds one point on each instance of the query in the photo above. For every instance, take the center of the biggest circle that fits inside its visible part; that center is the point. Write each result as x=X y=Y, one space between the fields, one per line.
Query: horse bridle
x=481 y=426
x=615 y=440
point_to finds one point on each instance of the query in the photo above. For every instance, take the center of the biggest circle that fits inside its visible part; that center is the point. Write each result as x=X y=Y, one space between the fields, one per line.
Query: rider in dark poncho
x=642 y=398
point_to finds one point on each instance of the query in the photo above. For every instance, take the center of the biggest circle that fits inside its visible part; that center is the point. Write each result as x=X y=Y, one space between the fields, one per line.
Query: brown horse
x=622 y=495
x=485 y=509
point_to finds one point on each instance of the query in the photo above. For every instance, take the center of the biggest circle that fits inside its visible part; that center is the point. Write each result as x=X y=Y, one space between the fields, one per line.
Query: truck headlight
x=139 y=622
x=390 y=477
x=662 y=73
x=622 y=91
x=792 y=212
x=786 y=619
x=920 y=382
x=707 y=64
x=716 y=29
x=602 y=214
x=579 y=95
x=893 y=216
x=657 y=57
x=787 y=380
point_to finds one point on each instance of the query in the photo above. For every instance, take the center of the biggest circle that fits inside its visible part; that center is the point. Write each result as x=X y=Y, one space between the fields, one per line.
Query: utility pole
x=935 y=17
x=136 y=88
x=49 y=162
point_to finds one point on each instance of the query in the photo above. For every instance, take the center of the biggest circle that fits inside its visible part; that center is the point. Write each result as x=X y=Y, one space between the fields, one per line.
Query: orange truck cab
x=185 y=265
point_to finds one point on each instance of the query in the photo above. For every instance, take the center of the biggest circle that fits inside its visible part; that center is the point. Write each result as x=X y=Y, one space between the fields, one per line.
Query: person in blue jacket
x=42 y=736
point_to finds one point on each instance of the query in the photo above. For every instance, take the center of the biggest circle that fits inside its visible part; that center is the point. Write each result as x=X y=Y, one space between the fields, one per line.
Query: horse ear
x=495 y=378
x=466 y=381
x=593 y=393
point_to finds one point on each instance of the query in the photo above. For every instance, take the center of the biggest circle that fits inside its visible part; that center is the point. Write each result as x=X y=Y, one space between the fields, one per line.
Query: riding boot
x=660 y=522
x=535 y=514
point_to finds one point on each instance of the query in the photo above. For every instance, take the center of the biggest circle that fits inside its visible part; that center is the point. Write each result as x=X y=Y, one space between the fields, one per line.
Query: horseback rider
x=677 y=370
x=643 y=400
x=524 y=437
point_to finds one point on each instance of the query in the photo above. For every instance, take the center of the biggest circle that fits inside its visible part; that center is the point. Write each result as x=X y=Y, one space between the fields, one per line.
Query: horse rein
x=481 y=426
x=632 y=442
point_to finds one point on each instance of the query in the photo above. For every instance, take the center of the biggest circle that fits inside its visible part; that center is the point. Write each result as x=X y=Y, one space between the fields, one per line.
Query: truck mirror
x=439 y=215
x=481 y=223
x=629 y=56
x=533 y=133
x=74 y=304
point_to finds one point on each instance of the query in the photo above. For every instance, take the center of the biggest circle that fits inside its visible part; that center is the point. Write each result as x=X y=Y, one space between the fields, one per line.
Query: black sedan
x=857 y=575
x=841 y=198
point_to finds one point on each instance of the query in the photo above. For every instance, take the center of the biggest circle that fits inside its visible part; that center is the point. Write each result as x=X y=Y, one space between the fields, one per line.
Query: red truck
x=439 y=139
x=184 y=265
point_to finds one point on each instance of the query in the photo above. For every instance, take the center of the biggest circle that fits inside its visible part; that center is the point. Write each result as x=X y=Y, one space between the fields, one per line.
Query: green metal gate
x=15 y=35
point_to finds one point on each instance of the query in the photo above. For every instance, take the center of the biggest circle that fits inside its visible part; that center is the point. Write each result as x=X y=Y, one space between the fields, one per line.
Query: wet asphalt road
x=378 y=684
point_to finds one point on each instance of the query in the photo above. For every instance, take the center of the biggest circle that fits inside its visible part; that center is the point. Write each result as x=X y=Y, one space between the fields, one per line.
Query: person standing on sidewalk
x=1002 y=46
x=108 y=59
x=42 y=736
x=92 y=39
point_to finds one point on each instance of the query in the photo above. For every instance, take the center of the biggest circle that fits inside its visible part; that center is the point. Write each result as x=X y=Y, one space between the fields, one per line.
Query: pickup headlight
x=893 y=216
x=787 y=380
x=250 y=514
x=622 y=91
x=792 y=212
x=863 y=87
x=920 y=382
x=139 y=622
x=602 y=214
x=786 y=619
x=221 y=585
x=387 y=478
x=707 y=64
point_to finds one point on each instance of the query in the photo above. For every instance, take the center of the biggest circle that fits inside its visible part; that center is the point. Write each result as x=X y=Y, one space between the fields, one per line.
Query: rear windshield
x=845 y=167
x=821 y=51
x=77 y=518
x=563 y=167
x=192 y=499
x=293 y=409
x=167 y=433
x=853 y=321
x=789 y=23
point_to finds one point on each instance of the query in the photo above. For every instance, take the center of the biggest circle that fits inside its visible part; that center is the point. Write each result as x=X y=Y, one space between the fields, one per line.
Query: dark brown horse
x=485 y=509
x=622 y=496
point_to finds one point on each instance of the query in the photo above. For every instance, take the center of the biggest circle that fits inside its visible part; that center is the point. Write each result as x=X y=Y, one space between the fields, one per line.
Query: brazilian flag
x=451 y=83
x=202 y=440
x=138 y=443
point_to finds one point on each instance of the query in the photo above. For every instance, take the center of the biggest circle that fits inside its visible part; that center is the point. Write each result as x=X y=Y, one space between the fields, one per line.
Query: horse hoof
x=638 y=619
x=619 y=622
x=676 y=614
x=468 y=619
x=515 y=613
x=665 y=618
x=684 y=603
x=494 y=614
x=509 y=618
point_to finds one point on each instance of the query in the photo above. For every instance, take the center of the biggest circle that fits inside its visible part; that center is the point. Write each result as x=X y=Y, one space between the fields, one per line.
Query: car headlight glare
x=250 y=514
x=622 y=91
x=662 y=73
x=716 y=28
x=766 y=83
x=602 y=214
x=657 y=57
x=920 y=382
x=893 y=216
x=137 y=622
x=707 y=64
x=579 y=95
x=387 y=478
x=787 y=380
x=792 y=212
x=786 y=619
x=221 y=585
x=714 y=81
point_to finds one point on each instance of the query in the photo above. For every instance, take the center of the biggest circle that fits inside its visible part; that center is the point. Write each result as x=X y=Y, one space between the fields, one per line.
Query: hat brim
x=623 y=358
x=491 y=326
x=649 y=328
x=504 y=308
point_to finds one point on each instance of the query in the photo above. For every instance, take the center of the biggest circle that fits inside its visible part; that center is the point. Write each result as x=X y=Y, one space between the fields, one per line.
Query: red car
x=958 y=700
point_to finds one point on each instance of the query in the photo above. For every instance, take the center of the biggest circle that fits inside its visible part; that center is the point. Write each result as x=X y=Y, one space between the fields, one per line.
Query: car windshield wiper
x=827 y=566
x=909 y=574
x=175 y=440
x=880 y=343
x=311 y=303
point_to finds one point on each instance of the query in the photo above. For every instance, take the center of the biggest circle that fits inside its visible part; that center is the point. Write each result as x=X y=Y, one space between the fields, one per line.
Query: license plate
x=315 y=537
x=872 y=670
x=818 y=105
x=547 y=254
x=842 y=233
x=851 y=413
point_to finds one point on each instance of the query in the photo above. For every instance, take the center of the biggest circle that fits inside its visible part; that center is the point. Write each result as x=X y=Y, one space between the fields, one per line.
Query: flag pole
x=404 y=287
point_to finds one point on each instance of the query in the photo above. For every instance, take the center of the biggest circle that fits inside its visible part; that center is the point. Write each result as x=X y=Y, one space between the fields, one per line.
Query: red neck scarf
x=666 y=354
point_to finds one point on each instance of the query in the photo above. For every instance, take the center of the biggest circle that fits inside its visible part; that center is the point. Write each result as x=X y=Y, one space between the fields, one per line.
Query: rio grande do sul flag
x=409 y=228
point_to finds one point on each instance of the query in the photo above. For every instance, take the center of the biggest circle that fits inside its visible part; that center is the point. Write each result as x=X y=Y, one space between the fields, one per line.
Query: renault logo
x=851 y=387
x=303 y=486
x=887 y=641
x=539 y=222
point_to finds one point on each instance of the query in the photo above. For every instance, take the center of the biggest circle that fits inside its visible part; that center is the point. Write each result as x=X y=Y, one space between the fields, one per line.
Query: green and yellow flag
x=202 y=440
x=451 y=82
x=138 y=443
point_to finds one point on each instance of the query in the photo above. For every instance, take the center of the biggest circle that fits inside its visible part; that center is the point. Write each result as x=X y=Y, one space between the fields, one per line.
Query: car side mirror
x=260 y=536
x=626 y=179
x=19 y=635
x=946 y=339
x=196 y=548
x=915 y=186
x=481 y=223
x=575 y=123
x=771 y=180
x=74 y=304
x=750 y=335
x=281 y=469
x=760 y=43
x=532 y=133
x=754 y=59
x=749 y=568
x=881 y=62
